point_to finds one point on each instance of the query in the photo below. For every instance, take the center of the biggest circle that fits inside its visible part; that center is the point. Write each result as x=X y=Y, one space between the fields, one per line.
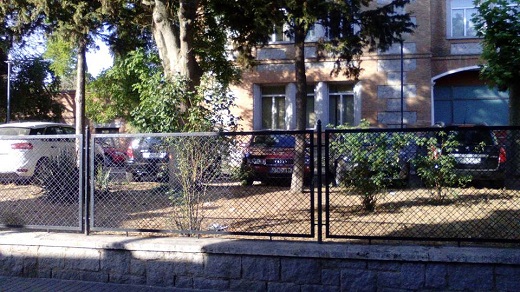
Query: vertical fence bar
x=85 y=181
x=319 y=180
x=327 y=190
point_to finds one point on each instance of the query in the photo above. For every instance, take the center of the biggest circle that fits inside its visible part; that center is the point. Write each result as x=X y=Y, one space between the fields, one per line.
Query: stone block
x=211 y=284
x=270 y=54
x=388 y=280
x=159 y=273
x=247 y=285
x=51 y=257
x=412 y=276
x=116 y=261
x=358 y=280
x=90 y=259
x=409 y=118
x=282 y=287
x=187 y=264
x=300 y=271
x=262 y=269
x=183 y=282
x=435 y=276
x=330 y=277
x=470 y=277
x=394 y=91
x=222 y=266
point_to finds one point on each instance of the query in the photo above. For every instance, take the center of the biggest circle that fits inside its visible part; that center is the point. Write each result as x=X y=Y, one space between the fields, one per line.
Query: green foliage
x=135 y=89
x=62 y=55
x=436 y=167
x=369 y=161
x=113 y=94
x=33 y=92
x=498 y=23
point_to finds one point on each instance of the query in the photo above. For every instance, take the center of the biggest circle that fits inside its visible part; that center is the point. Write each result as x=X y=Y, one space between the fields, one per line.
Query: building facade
x=432 y=77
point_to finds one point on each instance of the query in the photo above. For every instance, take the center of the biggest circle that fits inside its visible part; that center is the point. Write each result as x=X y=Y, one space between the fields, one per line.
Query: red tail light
x=502 y=156
x=22 y=146
x=130 y=152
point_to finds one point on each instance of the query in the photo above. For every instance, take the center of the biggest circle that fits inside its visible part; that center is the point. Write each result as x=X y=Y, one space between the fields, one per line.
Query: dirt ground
x=467 y=213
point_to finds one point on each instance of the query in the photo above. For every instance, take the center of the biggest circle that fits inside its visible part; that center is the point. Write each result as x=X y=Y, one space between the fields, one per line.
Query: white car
x=28 y=148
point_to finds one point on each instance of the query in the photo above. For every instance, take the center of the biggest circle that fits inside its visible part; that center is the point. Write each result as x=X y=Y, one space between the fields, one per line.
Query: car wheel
x=43 y=173
x=247 y=181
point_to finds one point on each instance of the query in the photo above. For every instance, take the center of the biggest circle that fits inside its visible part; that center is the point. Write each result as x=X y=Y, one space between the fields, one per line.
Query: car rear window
x=274 y=141
x=474 y=137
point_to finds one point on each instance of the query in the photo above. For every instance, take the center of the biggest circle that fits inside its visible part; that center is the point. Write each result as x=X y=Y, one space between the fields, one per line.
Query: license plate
x=281 y=170
x=154 y=155
x=469 y=160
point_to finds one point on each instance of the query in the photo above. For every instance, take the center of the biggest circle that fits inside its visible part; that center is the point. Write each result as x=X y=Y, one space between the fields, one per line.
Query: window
x=273 y=107
x=279 y=34
x=341 y=105
x=310 y=116
x=460 y=14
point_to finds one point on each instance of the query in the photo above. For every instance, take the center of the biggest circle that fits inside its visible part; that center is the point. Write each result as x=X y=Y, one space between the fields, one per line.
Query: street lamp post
x=8 y=114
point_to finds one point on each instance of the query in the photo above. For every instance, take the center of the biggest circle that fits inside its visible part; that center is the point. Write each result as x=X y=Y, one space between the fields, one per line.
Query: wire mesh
x=40 y=182
x=452 y=183
x=205 y=183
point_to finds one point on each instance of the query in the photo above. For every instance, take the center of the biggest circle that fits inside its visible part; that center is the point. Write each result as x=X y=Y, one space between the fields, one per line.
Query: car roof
x=33 y=125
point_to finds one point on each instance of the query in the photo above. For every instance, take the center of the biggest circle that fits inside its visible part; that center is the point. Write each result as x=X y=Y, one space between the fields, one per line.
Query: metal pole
x=402 y=85
x=8 y=114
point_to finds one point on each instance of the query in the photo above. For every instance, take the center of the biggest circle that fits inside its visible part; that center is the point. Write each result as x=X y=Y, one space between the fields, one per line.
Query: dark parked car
x=147 y=158
x=270 y=159
x=478 y=153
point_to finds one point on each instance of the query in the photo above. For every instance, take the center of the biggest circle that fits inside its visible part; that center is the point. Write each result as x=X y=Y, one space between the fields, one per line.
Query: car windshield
x=14 y=131
x=282 y=141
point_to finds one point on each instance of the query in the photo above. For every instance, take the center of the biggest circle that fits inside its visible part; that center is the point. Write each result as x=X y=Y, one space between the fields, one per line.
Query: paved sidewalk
x=13 y=284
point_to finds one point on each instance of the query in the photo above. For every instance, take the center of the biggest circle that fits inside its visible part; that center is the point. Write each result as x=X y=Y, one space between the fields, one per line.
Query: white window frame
x=466 y=6
x=274 y=98
x=343 y=95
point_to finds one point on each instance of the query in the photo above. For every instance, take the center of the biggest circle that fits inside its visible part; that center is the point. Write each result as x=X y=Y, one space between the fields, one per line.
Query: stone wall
x=236 y=265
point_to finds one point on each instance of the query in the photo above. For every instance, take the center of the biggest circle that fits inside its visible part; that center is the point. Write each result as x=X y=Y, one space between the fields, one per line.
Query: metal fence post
x=319 y=180
x=85 y=180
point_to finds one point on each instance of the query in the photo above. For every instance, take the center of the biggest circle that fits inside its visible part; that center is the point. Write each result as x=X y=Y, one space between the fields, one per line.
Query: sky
x=99 y=60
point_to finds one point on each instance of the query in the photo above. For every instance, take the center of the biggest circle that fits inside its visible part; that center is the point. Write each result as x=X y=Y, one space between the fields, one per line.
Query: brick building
x=440 y=79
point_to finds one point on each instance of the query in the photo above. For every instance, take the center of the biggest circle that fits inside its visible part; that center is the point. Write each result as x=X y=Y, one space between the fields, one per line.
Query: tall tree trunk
x=175 y=42
x=301 y=106
x=166 y=38
x=80 y=88
x=187 y=20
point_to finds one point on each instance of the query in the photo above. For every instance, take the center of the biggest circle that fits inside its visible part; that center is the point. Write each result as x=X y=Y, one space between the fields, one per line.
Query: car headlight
x=257 y=161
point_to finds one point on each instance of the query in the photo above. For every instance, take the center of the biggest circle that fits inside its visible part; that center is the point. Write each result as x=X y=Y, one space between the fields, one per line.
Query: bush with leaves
x=197 y=162
x=436 y=167
x=369 y=161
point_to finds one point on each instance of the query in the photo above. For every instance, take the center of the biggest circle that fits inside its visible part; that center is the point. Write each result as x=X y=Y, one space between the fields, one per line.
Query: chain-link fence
x=237 y=183
x=447 y=183
x=40 y=182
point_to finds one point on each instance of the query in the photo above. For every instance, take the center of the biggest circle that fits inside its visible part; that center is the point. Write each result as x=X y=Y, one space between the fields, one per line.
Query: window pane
x=310 y=116
x=470 y=26
x=457 y=22
x=279 y=113
x=334 y=114
x=461 y=3
x=348 y=110
x=267 y=113
x=278 y=33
